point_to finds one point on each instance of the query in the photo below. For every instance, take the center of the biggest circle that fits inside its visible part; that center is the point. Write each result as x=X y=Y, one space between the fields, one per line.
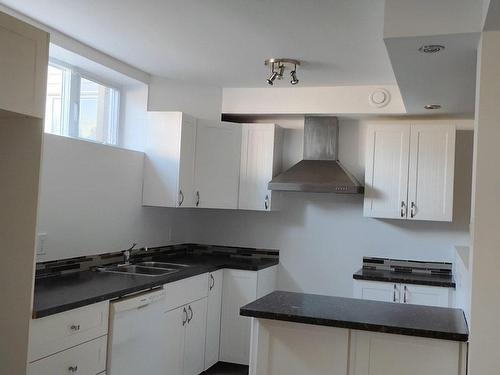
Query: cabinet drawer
x=85 y=359
x=57 y=332
x=185 y=291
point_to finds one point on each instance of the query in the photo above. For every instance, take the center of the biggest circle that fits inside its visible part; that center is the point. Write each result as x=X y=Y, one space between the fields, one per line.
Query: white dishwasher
x=137 y=339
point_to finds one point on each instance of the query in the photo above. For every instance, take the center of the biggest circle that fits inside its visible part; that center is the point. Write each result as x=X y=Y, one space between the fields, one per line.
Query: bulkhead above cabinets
x=206 y=164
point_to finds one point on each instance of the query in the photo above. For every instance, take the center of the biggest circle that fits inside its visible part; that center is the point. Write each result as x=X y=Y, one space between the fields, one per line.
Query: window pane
x=53 y=106
x=98 y=112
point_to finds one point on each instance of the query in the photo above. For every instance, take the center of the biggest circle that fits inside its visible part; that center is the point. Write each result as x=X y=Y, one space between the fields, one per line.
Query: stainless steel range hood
x=319 y=171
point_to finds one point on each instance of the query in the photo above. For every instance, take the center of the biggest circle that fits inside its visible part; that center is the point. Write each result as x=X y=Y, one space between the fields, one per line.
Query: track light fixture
x=278 y=67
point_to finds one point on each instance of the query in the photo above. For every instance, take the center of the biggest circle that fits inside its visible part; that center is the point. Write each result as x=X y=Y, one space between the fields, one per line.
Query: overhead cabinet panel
x=386 y=178
x=217 y=172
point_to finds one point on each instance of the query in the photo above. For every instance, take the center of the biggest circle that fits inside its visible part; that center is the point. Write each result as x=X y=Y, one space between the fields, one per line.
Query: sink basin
x=162 y=265
x=135 y=269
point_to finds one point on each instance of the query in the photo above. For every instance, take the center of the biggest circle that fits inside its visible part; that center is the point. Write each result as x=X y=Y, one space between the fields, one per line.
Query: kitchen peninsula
x=297 y=333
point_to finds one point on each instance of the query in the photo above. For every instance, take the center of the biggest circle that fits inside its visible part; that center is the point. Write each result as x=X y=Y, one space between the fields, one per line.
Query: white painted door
x=187 y=162
x=194 y=347
x=218 y=152
x=175 y=321
x=377 y=291
x=386 y=176
x=432 y=164
x=239 y=288
x=214 y=302
x=425 y=295
x=23 y=67
x=257 y=160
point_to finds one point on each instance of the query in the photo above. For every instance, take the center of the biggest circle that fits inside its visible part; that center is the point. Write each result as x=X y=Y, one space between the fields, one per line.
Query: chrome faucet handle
x=127 y=253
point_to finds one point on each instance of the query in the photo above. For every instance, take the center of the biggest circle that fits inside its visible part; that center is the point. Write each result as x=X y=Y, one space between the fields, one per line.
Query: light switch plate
x=40 y=246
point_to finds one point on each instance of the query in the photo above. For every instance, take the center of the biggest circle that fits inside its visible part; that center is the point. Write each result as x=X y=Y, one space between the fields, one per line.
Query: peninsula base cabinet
x=296 y=349
x=240 y=288
x=403 y=293
x=375 y=353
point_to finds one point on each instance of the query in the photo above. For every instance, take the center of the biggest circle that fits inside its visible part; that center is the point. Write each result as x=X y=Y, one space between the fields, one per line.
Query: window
x=78 y=106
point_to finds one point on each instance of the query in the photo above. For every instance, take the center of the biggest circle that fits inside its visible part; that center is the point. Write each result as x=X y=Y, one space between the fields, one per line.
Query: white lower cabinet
x=240 y=288
x=85 y=359
x=375 y=353
x=212 y=340
x=403 y=293
x=185 y=329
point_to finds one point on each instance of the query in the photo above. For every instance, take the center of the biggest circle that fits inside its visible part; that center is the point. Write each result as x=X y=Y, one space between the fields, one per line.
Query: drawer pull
x=73 y=369
x=75 y=327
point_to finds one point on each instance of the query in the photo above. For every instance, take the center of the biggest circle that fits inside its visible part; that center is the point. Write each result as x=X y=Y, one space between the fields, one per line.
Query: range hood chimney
x=319 y=171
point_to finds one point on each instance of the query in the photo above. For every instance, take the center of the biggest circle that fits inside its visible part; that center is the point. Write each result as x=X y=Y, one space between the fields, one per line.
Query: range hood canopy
x=319 y=171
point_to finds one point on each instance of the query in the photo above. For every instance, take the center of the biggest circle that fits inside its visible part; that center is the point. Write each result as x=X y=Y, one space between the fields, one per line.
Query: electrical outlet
x=40 y=248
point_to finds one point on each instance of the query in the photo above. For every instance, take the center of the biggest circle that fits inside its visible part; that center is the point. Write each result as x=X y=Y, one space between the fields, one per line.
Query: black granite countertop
x=55 y=294
x=446 y=281
x=397 y=318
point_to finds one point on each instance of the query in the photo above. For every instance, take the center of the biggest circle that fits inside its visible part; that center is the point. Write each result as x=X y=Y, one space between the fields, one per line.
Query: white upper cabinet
x=261 y=160
x=410 y=171
x=386 y=176
x=217 y=171
x=170 y=160
x=23 y=67
x=432 y=166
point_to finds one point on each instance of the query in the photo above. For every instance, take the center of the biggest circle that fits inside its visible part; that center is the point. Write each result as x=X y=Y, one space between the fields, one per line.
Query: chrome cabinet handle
x=213 y=281
x=192 y=314
x=266 y=202
x=197 y=198
x=412 y=211
x=181 y=198
x=403 y=208
x=184 y=316
x=404 y=295
x=73 y=369
x=74 y=327
x=394 y=294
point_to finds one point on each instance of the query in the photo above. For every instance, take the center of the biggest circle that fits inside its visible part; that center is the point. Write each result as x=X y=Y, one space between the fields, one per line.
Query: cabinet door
x=213 y=318
x=175 y=321
x=432 y=164
x=257 y=164
x=23 y=62
x=187 y=162
x=377 y=291
x=386 y=176
x=217 y=173
x=194 y=347
x=425 y=295
x=239 y=288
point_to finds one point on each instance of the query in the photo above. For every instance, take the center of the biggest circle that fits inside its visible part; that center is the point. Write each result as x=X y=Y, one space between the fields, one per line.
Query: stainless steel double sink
x=145 y=268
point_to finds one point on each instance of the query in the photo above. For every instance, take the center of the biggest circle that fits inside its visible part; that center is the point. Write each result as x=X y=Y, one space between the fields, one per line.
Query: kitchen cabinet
x=239 y=288
x=403 y=293
x=214 y=305
x=261 y=160
x=374 y=353
x=169 y=163
x=217 y=167
x=24 y=62
x=185 y=329
x=409 y=171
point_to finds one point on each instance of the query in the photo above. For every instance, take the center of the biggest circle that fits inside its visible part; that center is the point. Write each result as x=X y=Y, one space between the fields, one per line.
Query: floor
x=224 y=368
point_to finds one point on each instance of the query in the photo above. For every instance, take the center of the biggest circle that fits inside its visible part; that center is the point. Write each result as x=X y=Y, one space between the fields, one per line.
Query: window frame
x=70 y=118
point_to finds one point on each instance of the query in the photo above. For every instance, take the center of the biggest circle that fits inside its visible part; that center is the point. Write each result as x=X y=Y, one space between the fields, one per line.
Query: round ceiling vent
x=431 y=48
x=379 y=98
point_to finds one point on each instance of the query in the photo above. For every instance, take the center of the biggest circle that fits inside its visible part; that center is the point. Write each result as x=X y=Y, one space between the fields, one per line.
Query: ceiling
x=224 y=42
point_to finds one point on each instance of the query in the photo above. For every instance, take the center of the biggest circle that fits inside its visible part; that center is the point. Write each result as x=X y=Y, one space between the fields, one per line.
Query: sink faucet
x=127 y=253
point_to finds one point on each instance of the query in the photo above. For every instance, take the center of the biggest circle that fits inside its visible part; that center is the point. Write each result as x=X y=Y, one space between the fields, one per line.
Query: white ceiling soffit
x=446 y=78
x=492 y=21
x=224 y=42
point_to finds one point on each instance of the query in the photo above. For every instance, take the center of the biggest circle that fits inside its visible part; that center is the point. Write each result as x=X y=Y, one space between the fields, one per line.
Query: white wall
x=323 y=237
x=485 y=229
x=91 y=201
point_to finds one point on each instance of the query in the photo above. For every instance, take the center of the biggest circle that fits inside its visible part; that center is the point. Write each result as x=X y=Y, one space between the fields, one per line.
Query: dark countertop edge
x=356 y=325
x=155 y=282
x=401 y=279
